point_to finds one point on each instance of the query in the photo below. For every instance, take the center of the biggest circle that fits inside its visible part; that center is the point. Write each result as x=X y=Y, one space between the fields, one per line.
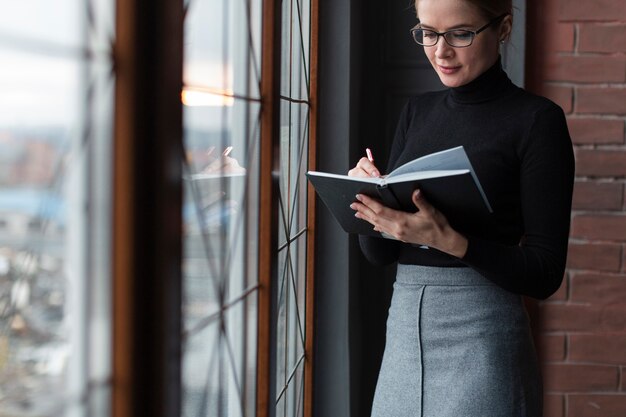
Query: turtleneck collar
x=491 y=84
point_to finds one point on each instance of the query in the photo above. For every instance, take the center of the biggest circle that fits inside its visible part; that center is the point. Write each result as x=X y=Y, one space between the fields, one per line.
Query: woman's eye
x=427 y=34
x=461 y=34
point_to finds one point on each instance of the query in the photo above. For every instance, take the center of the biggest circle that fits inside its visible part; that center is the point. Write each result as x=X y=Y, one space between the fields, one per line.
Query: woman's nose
x=443 y=50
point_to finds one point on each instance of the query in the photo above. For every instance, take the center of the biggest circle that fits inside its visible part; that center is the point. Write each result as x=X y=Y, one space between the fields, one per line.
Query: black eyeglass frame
x=443 y=34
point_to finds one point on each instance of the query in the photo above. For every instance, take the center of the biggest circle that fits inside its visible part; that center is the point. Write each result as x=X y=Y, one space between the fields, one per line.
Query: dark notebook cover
x=455 y=193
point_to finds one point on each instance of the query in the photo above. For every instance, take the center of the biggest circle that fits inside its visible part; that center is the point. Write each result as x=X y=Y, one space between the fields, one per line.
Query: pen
x=227 y=151
x=369 y=154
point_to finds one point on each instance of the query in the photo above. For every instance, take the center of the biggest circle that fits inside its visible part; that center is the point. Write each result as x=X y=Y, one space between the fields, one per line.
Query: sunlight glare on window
x=209 y=97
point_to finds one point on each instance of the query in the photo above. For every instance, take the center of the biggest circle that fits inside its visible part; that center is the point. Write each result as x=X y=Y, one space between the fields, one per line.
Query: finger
x=369 y=167
x=422 y=205
x=369 y=209
x=363 y=213
x=376 y=213
x=371 y=203
x=358 y=172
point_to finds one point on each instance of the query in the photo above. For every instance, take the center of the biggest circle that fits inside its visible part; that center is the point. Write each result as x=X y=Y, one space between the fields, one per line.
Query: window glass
x=55 y=108
x=221 y=139
x=221 y=121
x=294 y=145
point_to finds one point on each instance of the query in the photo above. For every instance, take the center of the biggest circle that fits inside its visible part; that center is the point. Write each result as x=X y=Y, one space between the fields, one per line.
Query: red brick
x=574 y=377
x=592 y=69
x=598 y=288
x=594 y=195
x=568 y=317
x=601 y=227
x=592 y=10
x=602 y=38
x=551 y=348
x=595 y=131
x=613 y=317
x=563 y=37
x=598 y=348
x=601 y=100
x=596 y=405
x=562 y=96
x=600 y=163
x=561 y=293
x=574 y=317
x=553 y=405
x=599 y=257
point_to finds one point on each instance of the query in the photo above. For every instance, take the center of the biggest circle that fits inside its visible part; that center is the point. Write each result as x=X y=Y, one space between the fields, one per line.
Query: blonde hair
x=489 y=8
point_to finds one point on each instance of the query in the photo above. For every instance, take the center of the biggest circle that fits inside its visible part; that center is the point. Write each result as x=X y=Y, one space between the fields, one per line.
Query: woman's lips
x=448 y=69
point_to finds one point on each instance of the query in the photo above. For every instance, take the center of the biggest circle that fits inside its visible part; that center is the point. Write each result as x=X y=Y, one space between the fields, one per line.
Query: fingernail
x=352 y=206
x=358 y=197
x=375 y=174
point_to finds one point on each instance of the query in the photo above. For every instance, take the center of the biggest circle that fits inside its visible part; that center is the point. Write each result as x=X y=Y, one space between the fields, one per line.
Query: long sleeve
x=536 y=266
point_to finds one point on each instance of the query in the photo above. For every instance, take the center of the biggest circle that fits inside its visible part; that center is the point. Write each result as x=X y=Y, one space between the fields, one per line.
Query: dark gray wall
x=368 y=67
x=332 y=270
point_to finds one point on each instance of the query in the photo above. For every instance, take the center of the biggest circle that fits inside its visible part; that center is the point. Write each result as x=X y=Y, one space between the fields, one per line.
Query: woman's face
x=459 y=66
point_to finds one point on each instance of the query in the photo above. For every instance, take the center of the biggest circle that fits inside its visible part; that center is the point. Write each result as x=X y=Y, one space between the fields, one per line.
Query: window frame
x=147 y=225
x=147 y=201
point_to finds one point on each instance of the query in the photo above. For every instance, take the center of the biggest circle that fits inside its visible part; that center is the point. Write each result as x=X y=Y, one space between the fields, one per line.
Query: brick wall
x=577 y=57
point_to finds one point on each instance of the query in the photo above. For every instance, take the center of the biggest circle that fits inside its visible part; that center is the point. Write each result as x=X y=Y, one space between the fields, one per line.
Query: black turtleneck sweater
x=521 y=151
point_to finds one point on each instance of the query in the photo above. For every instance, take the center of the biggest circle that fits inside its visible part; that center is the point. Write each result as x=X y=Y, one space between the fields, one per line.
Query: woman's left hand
x=427 y=226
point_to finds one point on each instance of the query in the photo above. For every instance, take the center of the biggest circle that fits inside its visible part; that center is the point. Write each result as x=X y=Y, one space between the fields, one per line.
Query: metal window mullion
x=311 y=212
x=247 y=216
x=207 y=320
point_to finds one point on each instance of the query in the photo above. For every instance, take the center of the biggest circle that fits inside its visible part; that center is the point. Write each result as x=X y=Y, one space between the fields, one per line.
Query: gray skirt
x=457 y=345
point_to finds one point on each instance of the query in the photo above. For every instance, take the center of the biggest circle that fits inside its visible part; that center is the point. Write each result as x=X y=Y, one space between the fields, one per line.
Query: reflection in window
x=222 y=132
x=221 y=128
x=55 y=86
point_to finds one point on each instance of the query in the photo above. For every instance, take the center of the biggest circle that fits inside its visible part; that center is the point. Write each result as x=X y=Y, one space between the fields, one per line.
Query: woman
x=458 y=340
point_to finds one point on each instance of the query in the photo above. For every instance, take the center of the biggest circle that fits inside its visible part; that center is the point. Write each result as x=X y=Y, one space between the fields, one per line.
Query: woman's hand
x=364 y=168
x=427 y=226
x=223 y=164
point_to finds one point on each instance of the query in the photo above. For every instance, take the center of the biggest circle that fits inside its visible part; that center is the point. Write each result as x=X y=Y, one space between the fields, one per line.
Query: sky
x=40 y=73
x=42 y=78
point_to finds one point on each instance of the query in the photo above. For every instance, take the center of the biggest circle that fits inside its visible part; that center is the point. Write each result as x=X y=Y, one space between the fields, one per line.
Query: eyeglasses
x=458 y=38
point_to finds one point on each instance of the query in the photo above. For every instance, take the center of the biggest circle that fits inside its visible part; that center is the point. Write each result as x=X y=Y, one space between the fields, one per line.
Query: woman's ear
x=505 y=28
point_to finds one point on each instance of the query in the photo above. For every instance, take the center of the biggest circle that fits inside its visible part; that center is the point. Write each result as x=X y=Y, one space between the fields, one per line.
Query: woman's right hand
x=364 y=168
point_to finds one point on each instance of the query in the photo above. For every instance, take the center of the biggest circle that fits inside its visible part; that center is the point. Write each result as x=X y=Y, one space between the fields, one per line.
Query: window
x=222 y=147
x=291 y=286
x=55 y=125
x=80 y=271
x=226 y=368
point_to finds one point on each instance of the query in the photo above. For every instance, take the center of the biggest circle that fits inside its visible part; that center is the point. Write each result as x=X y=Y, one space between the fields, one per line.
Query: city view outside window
x=56 y=123
x=55 y=126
